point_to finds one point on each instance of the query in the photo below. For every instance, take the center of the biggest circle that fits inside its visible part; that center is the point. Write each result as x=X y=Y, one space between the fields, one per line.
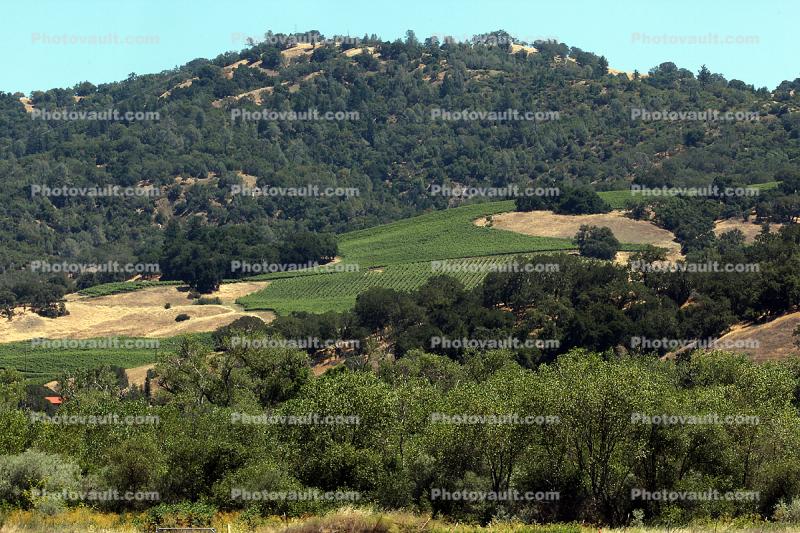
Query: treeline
x=589 y=442
x=570 y=201
x=203 y=255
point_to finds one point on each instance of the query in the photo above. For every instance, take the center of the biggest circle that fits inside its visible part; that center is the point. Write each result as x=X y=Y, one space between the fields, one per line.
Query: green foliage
x=596 y=242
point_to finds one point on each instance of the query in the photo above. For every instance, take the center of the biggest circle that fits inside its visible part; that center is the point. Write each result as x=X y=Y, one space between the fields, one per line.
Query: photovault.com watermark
x=510 y=495
x=665 y=343
x=446 y=266
x=509 y=191
x=709 y=38
x=106 y=39
x=506 y=115
x=708 y=419
x=711 y=191
x=504 y=419
x=308 y=343
x=294 y=496
x=305 y=191
x=104 y=343
x=709 y=267
x=93 y=191
x=112 y=267
x=294 y=40
x=509 y=343
x=313 y=115
x=308 y=419
x=94 y=495
x=108 y=419
x=264 y=267
x=665 y=495
x=706 y=115
x=106 y=115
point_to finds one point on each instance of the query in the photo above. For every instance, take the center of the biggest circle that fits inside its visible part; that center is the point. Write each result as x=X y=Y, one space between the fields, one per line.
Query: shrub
x=21 y=475
x=167 y=305
x=182 y=317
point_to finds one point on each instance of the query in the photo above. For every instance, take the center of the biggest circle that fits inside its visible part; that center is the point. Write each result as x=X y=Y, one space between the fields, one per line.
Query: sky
x=58 y=43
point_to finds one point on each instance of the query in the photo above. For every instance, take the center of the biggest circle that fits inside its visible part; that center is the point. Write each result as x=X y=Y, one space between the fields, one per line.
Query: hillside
x=392 y=153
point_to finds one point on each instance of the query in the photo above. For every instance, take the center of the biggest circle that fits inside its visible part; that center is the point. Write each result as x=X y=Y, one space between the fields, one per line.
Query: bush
x=167 y=305
x=182 y=317
x=787 y=512
x=32 y=470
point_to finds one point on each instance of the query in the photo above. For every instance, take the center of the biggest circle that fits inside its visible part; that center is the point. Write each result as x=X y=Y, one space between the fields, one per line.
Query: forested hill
x=392 y=152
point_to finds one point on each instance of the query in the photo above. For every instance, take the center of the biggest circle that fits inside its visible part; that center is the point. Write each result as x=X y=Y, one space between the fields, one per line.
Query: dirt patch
x=181 y=85
x=27 y=104
x=352 y=52
x=248 y=179
x=327 y=364
x=298 y=50
x=749 y=228
x=528 y=49
x=549 y=224
x=227 y=70
x=254 y=95
x=135 y=314
x=763 y=342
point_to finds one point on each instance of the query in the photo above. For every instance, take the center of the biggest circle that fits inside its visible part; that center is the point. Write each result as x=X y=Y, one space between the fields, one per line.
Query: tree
x=7 y=302
x=581 y=201
x=596 y=242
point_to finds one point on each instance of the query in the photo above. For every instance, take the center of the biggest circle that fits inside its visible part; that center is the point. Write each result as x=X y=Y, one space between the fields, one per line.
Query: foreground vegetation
x=591 y=452
x=356 y=520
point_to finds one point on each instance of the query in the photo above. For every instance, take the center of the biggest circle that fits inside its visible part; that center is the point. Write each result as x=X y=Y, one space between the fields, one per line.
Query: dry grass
x=347 y=520
x=248 y=179
x=772 y=341
x=528 y=49
x=135 y=314
x=749 y=228
x=227 y=70
x=181 y=85
x=352 y=52
x=549 y=224
x=27 y=104
x=298 y=50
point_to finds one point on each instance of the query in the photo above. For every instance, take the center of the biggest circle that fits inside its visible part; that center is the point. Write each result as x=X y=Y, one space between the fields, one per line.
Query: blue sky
x=630 y=34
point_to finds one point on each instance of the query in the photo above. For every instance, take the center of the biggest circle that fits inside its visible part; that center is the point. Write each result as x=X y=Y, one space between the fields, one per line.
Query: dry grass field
x=134 y=314
x=549 y=224
x=750 y=229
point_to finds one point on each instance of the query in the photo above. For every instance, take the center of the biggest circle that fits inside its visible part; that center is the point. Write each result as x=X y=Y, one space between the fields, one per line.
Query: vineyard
x=448 y=234
x=44 y=363
x=107 y=289
x=399 y=256
x=338 y=291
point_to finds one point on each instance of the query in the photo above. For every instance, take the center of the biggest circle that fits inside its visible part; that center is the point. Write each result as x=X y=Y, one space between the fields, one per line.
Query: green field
x=117 y=287
x=399 y=255
x=618 y=199
x=41 y=364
